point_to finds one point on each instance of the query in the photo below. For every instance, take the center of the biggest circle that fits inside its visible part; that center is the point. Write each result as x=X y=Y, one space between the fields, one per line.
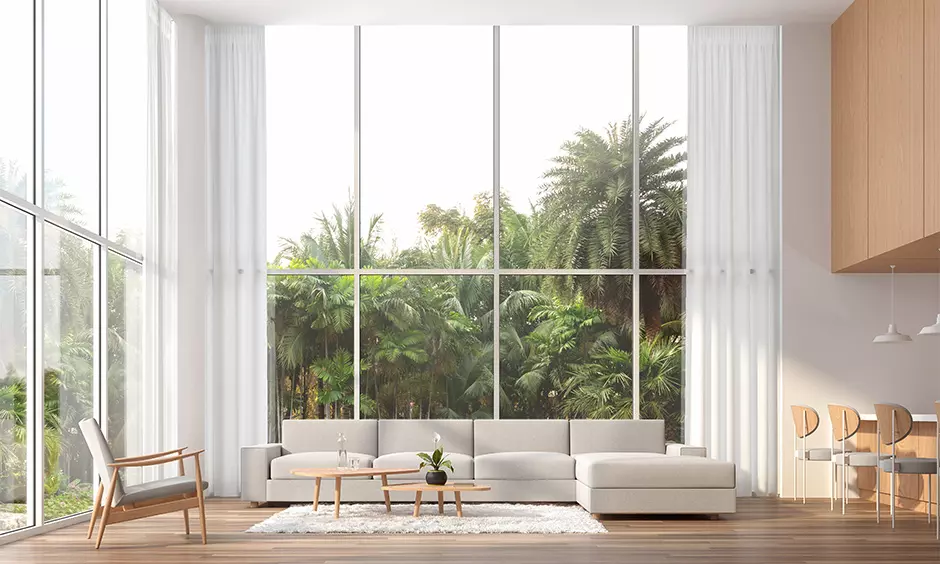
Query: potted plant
x=436 y=461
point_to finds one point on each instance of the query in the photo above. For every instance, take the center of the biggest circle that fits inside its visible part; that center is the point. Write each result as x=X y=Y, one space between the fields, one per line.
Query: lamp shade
x=892 y=336
x=932 y=330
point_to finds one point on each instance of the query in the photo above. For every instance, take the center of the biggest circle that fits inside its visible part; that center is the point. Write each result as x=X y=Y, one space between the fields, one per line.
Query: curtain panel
x=154 y=427
x=733 y=285
x=236 y=384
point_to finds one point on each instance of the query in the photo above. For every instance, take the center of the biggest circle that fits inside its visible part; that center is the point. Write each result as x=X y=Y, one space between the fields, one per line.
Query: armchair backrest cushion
x=318 y=435
x=101 y=455
x=520 y=435
x=417 y=435
x=622 y=435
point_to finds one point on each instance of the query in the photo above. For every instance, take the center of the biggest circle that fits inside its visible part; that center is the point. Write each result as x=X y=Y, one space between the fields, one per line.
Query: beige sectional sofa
x=606 y=466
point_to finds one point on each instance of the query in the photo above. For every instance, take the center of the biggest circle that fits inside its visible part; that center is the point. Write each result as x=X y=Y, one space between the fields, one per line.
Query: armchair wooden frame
x=180 y=502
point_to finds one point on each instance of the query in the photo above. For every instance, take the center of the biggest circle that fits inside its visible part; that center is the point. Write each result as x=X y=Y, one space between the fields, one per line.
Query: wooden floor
x=763 y=531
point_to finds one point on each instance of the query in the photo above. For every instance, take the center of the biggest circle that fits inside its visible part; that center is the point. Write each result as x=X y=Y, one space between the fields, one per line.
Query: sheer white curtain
x=733 y=249
x=152 y=428
x=236 y=384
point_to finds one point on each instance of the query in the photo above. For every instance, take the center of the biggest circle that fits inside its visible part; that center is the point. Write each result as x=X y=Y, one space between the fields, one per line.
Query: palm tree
x=588 y=195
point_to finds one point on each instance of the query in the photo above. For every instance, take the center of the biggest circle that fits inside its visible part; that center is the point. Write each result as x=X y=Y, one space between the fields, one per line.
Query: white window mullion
x=496 y=203
x=635 y=222
x=357 y=121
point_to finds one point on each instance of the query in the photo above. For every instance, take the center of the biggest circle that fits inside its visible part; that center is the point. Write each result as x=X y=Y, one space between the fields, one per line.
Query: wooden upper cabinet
x=850 y=137
x=895 y=124
x=931 y=117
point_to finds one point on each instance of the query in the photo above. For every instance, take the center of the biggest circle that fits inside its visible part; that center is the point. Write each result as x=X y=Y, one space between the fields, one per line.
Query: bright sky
x=427 y=112
x=71 y=96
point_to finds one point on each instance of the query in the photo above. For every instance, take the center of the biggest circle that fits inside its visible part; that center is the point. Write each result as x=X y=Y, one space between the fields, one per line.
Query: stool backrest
x=845 y=421
x=805 y=420
x=895 y=422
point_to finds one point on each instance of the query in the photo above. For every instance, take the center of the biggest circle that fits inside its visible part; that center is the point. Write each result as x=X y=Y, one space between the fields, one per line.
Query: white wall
x=193 y=246
x=829 y=320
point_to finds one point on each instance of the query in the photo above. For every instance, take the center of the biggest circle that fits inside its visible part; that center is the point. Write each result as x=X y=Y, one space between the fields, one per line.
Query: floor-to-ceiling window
x=71 y=221
x=470 y=222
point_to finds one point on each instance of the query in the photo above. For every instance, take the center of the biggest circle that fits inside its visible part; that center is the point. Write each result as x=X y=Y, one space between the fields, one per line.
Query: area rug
x=483 y=518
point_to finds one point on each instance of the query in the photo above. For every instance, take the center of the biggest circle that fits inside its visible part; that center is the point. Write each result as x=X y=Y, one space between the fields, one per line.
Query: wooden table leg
x=440 y=503
x=459 y=505
x=339 y=485
x=388 y=499
x=316 y=494
x=417 y=503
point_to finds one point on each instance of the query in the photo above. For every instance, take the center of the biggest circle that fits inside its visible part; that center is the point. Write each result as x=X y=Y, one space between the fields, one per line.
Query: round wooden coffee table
x=419 y=487
x=339 y=473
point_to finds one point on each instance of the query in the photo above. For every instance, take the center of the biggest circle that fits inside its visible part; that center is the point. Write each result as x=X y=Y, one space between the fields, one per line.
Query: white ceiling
x=489 y=12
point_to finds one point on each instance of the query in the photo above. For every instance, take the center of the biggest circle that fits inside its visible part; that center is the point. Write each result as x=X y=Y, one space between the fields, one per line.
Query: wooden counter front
x=911 y=489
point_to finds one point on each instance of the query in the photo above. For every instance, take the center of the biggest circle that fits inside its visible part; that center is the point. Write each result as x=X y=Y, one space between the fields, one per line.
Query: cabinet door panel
x=931 y=117
x=896 y=124
x=850 y=137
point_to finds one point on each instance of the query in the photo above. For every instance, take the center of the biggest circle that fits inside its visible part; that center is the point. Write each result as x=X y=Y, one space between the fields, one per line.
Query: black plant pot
x=436 y=477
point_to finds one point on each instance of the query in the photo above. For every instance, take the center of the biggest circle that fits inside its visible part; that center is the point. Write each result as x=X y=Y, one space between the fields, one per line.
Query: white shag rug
x=478 y=518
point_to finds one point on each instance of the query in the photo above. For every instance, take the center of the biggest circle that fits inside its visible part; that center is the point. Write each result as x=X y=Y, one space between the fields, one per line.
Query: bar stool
x=845 y=423
x=895 y=423
x=805 y=423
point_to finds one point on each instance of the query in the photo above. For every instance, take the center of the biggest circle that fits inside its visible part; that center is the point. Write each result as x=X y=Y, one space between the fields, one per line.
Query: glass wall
x=555 y=135
x=71 y=272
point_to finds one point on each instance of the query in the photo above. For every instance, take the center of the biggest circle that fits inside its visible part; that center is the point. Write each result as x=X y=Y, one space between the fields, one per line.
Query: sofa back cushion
x=417 y=435
x=647 y=435
x=314 y=435
x=520 y=435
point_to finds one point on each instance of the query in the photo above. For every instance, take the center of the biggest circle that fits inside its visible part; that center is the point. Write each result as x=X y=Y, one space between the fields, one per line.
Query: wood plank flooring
x=763 y=531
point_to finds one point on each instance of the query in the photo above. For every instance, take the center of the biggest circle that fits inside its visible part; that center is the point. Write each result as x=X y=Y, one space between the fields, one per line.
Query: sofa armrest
x=256 y=469
x=679 y=449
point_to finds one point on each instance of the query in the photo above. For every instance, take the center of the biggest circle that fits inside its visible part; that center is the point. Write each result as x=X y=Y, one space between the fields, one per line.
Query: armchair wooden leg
x=95 y=510
x=106 y=511
x=186 y=519
x=201 y=497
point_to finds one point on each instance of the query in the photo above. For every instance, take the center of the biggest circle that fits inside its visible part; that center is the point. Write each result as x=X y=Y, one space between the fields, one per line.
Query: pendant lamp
x=932 y=330
x=892 y=336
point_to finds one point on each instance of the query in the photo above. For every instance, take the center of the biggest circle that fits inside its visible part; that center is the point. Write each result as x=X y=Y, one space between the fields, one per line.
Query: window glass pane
x=311 y=131
x=566 y=146
x=68 y=371
x=13 y=376
x=127 y=121
x=427 y=142
x=126 y=416
x=16 y=96
x=310 y=346
x=565 y=347
x=70 y=113
x=427 y=347
x=662 y=351
x=664 y=101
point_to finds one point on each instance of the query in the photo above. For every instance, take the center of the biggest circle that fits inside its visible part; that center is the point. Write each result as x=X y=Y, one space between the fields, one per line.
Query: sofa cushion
x=463 y=465
x=621 y=435
x=417 y=435
x=316 y=435
x=281 y=466
x=541 y=435
x=523 y=466
x=651 y=471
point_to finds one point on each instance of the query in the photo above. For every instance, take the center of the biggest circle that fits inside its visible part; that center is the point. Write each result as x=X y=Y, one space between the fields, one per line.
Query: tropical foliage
x=565 y=342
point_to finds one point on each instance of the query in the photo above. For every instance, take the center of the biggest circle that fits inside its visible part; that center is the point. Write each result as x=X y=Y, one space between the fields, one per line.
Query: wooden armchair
x=121 y=503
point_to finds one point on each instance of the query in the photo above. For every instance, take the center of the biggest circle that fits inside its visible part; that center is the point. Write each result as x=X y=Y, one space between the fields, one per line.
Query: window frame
x=635 y=272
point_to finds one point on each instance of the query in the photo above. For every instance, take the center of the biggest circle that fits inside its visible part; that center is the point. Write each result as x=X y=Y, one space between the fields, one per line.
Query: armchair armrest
x=256 y=470
x=679 y=449
x=149 y=456
x=156 y=461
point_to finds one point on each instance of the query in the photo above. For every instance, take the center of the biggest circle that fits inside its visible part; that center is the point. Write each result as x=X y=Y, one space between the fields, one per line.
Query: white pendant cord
x=892 y=295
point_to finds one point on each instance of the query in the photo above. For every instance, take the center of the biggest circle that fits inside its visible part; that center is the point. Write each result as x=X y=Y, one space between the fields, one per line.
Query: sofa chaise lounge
x=605 y=466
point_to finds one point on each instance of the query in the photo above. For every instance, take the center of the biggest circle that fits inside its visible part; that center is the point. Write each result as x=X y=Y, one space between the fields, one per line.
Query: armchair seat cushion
x=282 y=466
x=524 y=466
x=160 y=489
x=633 y=470
x=463 y=465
